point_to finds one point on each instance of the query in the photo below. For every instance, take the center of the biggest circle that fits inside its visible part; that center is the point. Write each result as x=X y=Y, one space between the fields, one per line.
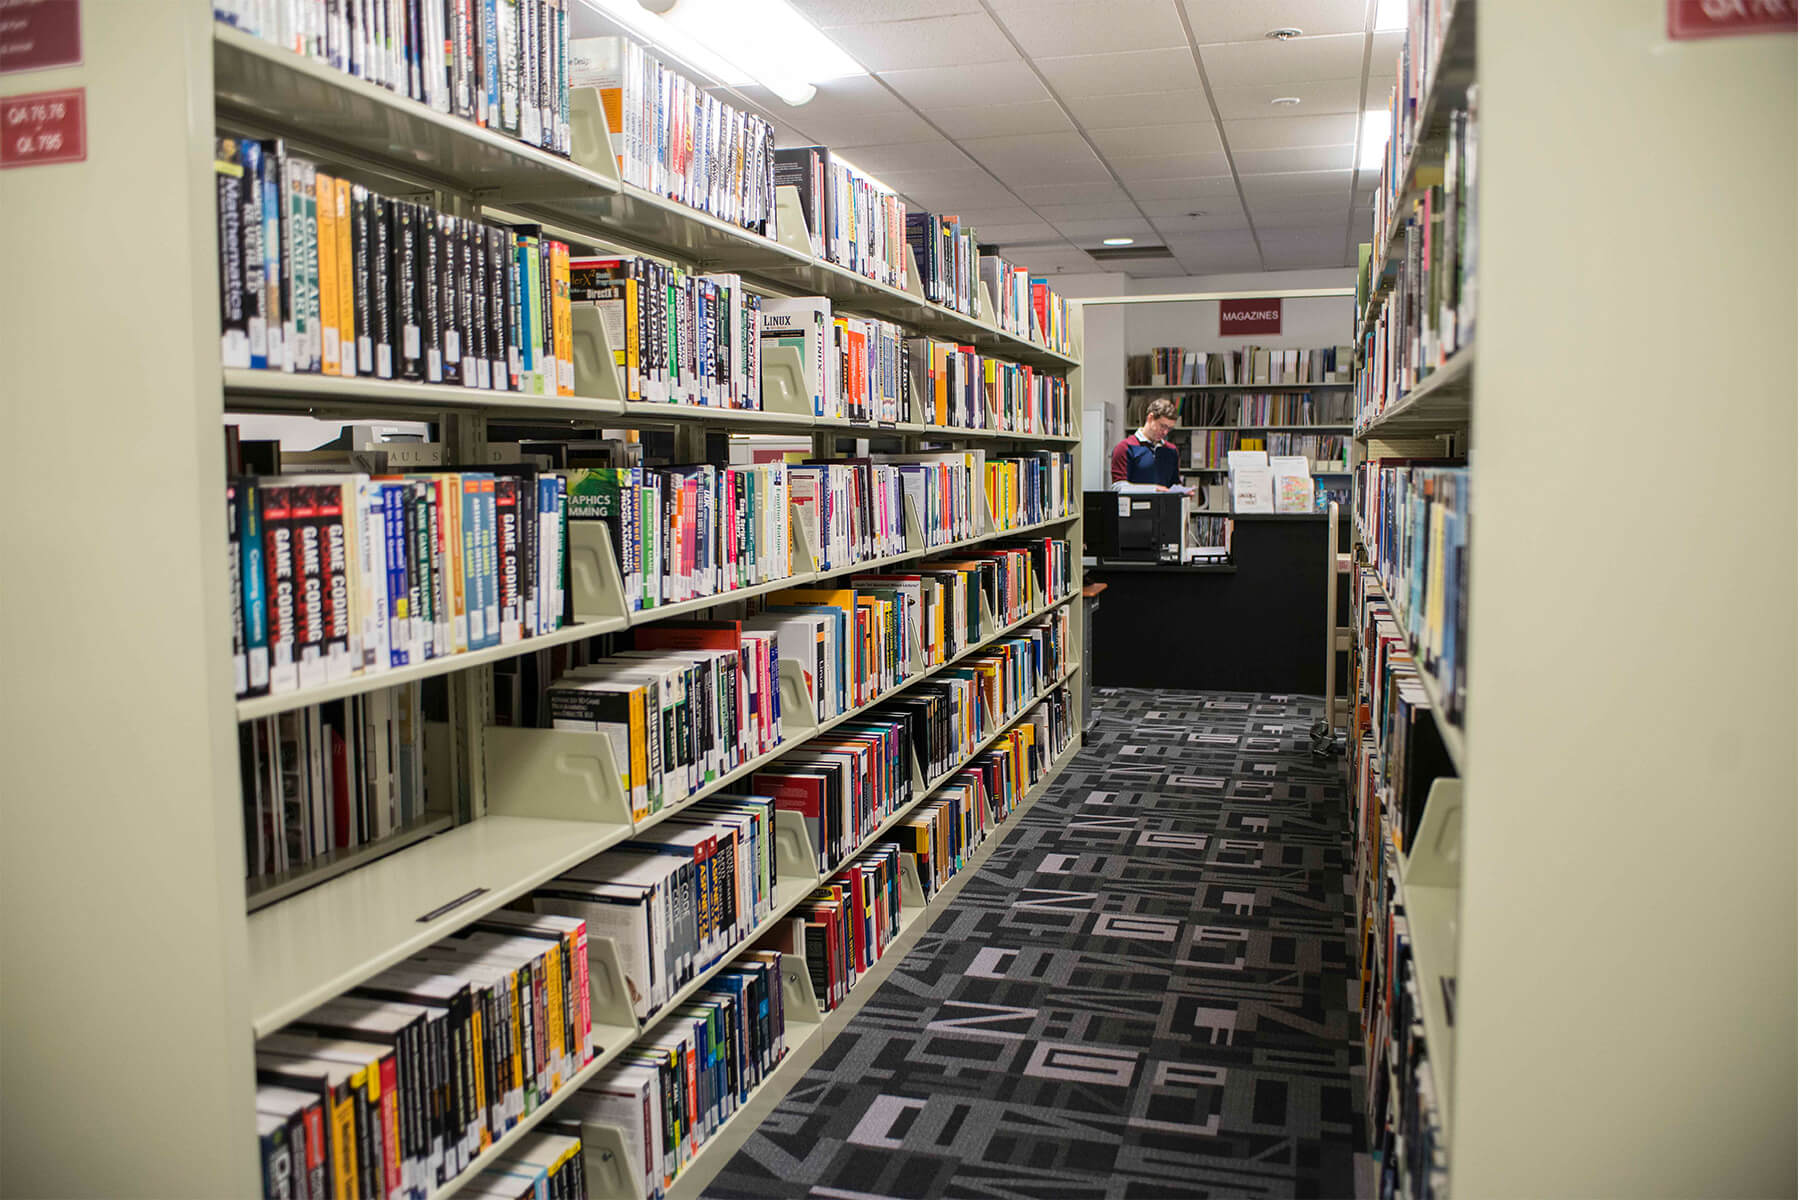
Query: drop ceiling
x=1048 y=125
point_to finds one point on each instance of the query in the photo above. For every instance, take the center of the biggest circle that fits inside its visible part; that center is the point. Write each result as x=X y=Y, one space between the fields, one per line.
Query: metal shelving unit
x=156 y=393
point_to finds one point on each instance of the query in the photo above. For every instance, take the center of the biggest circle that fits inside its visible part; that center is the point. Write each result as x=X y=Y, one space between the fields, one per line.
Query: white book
x=804 y=323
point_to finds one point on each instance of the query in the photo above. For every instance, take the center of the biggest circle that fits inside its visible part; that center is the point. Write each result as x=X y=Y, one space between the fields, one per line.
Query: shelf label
x=1728 y=18
x=1249 y=316
x=37 y=34
x=43 y=128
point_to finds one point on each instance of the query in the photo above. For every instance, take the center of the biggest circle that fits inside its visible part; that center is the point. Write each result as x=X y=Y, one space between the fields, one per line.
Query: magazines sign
x=1723 y=18
x=35 y=34
x=1249 y=316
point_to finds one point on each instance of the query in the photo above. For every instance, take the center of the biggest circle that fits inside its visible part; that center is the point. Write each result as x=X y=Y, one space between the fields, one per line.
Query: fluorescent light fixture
x=738 y=42
x=1377 y=124
x=1390 y=14
x=1117 y=241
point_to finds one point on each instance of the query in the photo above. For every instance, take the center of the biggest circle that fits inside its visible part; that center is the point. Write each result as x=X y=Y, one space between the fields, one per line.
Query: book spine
x=254 y=577
x=234 y=528
x=478 y=368
x=408 y=312
x=511 y=604
x=447 y=291
x=335 y=572
x=362 y=285
x=234 y=322
x=310 y=582
x=342 y=256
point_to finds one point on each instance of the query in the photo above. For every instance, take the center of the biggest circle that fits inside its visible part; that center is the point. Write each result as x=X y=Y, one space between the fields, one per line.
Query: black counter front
x=1256 y=624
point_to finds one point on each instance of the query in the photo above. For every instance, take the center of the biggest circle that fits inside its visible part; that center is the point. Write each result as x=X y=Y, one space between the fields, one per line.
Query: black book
x=449 y=328
x=477 y=359
x=381 y=282
x=431 y=283
x=408 y=290
x=361 y=280
x=499 y=271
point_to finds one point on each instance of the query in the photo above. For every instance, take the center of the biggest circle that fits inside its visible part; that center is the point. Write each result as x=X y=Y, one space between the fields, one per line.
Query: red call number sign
x=42 y=128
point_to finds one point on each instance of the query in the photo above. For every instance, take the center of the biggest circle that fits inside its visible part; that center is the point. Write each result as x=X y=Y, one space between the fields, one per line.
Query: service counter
x=1253 y=624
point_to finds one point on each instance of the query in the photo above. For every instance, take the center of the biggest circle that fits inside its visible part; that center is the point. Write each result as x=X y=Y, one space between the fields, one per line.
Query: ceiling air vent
x=1127 y=253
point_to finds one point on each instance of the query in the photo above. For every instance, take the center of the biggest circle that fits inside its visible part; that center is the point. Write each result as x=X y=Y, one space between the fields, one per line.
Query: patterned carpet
x=1143 y=993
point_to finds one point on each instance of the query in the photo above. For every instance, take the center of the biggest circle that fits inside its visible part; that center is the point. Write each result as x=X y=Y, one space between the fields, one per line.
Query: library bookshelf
x=203 y=972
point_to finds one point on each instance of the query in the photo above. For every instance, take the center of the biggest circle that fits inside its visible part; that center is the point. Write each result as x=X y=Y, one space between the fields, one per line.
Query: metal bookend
x=599 y=589
x=799 y=707
x=590 y=139
x=803 y=559
x=990 y=628
x=915 y=529
x=912 y=895
x=914 y=278
x=918 y=776
x=613 y=1172
x=609 y=996
x=799 y=1004
x=790 y=221
x=795 y=857
x=596 y=370
x=985 y=308
x=554 y=774
x=784 y=382
x=1435 y=859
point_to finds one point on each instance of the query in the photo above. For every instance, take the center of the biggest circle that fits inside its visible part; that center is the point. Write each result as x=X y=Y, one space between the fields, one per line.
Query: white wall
x=1114 y=331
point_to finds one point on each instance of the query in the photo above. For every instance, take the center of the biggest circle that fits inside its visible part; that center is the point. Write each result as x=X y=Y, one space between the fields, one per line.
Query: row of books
x=336 y=575
x=688 y=704
x=1293 y=408
x=671 y=1091
x=854 y=368
x=502 y=64
x=1429 y=314
x=1209 y=449
x=543 y=1166
x=674 y=138
x=681 y=897
x=401 y=1084
x=1414 y=519
x=331 y=777
x=680 y=533
x=1396 y=754
x=851 y=219
x=317 y=274
x=1212 y=532
x=1024 y=305
x=955 y=386
x=1414 y=70
x=949 y=259
x=1175 y=366
x=676 y=337
x=1029 y=488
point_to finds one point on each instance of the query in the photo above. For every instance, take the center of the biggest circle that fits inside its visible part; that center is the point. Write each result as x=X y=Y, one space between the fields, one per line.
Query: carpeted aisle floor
x=1143 y=993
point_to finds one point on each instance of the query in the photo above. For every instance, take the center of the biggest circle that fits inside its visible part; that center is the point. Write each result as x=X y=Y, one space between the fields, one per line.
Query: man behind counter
x=1147 y=456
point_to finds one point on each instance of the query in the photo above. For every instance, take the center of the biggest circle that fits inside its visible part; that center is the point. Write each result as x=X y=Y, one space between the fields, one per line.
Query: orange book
x=346 y=278
x=325 y=195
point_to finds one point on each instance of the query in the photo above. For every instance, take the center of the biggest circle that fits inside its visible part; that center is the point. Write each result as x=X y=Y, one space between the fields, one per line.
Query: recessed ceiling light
x=1285 y=100
x=1390 y=14
x=1283 y=34
x=1117 y=241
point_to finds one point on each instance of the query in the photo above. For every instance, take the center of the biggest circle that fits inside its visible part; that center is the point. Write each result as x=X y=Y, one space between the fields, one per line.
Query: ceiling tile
x=1210 y=189
x=1337 y=200
x=927 y=42
x=1246 y=64
x=1127 y=109
x=998 y=214
x=897 y=159
x=1297 y=183
x=997 y=120
x=951 y=190
x=1288 y=249
x=1282 y=220
x=999 y=82
x=829 y=13
x=1015 y=233
x=1065 y=192
x=1247 y=20
x=1101 y=211
x=1156 y=268
x=1203 y=221
x=1027 y=173
x=1048 y=261
x=1083 y=27
x=1282 y=133
x=1112 y=74
x=1090 y=233
x=1196 y=138
x=1211 y=253
x=1169 y=166
x=1029 y=149
x=1315 y=96
x=1384 y=52
x=1306 y=158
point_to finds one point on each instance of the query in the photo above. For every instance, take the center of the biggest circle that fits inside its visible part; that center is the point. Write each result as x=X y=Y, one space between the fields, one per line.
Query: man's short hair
x=1162 y=407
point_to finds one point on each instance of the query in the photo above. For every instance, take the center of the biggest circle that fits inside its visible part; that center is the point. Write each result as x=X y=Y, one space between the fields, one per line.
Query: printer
x=1133 y=526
